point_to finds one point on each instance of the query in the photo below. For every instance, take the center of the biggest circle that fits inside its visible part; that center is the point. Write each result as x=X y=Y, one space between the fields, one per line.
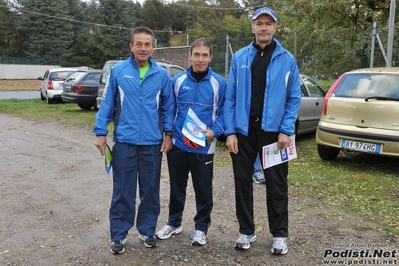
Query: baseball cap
x=265 y=11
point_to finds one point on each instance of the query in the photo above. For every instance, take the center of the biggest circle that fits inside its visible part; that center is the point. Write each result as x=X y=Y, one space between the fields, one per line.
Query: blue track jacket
x=141 y=112
x=206 y=99
x=282 y=94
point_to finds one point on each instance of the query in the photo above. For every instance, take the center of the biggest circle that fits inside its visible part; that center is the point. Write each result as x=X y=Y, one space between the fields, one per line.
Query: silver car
x=52 y=83
x=170 y=68
x=311 y=106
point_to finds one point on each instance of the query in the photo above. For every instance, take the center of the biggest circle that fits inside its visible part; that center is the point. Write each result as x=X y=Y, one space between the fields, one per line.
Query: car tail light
x=329 y=93
x=50 y=85
x=78 y=88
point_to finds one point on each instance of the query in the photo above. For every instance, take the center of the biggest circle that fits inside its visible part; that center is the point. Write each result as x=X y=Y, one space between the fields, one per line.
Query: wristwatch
x=169 y=133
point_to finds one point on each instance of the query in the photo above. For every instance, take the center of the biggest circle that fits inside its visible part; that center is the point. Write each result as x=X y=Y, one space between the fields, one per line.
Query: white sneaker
x=167 y=231
x=279 y=246
x=199 y=238
x=244 y=241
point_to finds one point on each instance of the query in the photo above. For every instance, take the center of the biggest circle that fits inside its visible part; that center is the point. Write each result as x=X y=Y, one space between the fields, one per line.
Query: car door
x=311 y=107
x=43 y=83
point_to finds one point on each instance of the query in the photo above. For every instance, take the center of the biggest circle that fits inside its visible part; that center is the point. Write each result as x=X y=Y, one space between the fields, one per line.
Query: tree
x=119 y=17
x=48 y=36
x=10 y=38
x=93 y=44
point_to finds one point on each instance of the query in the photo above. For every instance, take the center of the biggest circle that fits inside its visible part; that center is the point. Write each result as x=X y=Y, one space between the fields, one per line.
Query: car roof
x=62 y=69
x=394 y=70
x=89 y=70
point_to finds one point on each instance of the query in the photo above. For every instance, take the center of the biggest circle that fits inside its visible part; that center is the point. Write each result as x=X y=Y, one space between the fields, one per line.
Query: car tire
x=95 y=105
x=42 y=96
x=49 y=101
x=327 y=153
x=85 y=106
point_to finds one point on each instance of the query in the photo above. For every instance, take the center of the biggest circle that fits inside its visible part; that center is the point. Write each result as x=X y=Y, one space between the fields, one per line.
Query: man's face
x=200 y=58
x=142 y=47
x=264 y=27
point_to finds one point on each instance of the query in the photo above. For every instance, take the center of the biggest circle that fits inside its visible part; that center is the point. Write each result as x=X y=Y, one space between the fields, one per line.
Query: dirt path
x=54 y=211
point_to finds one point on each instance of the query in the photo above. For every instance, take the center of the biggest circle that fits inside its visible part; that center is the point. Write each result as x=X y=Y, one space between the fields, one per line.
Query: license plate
x=360 y=146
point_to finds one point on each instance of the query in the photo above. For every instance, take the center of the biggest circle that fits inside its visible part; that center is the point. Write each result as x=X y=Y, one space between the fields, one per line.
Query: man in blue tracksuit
x=138 y=97
x=263 y=97
x=201 y=90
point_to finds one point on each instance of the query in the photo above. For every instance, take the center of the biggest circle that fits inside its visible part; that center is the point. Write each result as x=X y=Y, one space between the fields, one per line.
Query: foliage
x=327 y=37
x=10 y=37
x=47 y=37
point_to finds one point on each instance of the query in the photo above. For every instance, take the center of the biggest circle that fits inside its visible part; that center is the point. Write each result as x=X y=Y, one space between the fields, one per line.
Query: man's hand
x=283 y=141
x=209 y=134
x=232 y=143
x=167 y=144
x=101 y=142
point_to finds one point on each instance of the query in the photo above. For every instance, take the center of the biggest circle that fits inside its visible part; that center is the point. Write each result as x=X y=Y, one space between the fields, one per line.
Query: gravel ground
x=54 y=211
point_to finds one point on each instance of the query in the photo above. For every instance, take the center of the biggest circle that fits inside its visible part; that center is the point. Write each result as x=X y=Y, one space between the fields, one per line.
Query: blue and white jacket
x=282 y=97
x=141 y=112
x=206 y=99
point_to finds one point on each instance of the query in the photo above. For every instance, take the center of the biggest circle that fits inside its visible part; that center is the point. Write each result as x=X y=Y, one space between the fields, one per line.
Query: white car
x=52 y=83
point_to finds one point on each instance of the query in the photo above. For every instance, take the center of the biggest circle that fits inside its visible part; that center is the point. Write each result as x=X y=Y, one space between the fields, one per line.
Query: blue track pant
x=132 y=165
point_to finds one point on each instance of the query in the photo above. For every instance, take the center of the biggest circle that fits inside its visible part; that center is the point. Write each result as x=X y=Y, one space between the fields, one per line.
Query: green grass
x=363 y=184
x=39 y=110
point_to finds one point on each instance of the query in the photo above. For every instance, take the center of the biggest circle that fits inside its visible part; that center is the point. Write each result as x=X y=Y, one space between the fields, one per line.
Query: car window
x=367 y=85
x=60 y=75
x=76 y=75
x=45 y=75
x=314 y=89
x=91 y=78
x=106 y=71
x=175 y=70
x=303 y=90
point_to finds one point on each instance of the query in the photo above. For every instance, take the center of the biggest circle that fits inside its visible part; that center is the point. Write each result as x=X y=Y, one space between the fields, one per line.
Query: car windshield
x=76 y=75
x=364 y=85
x=106 y=71
x=59 y=75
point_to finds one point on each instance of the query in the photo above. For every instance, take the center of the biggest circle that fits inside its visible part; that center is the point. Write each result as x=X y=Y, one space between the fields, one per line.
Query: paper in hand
x=108 y=158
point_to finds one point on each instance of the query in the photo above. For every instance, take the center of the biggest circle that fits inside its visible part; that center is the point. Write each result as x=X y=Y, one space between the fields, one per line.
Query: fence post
x=226 y=61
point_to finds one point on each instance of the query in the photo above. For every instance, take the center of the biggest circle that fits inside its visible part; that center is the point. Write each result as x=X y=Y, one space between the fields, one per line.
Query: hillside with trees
x=326 y=37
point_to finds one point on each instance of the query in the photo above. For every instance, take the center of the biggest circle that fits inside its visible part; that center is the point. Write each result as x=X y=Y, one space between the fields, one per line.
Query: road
x=19 y=94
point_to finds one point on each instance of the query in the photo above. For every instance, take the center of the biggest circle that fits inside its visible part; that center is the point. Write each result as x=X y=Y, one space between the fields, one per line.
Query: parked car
x=52 y=82
x=311 y=106
x=361 y=113
x=170 y=68
x=81 y=87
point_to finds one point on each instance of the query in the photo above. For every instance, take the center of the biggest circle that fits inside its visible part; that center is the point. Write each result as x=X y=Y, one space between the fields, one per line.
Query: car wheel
x=85 y=106
x=95 y=105
x=42 y=96
x=327 y=153
x=49 y=101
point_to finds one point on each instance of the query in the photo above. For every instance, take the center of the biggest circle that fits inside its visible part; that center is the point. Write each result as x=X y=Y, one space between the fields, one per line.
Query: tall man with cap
x=263 y=97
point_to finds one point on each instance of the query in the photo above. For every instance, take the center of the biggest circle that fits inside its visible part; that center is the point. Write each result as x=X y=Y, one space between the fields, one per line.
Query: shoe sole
x=241 y=246
x=258 y=182
x=116 y=253
x=175 y=232
x=145 y=243
x=150 y=246
x=120 y=252
x=197 y=243
x=279 y=252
